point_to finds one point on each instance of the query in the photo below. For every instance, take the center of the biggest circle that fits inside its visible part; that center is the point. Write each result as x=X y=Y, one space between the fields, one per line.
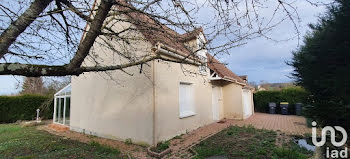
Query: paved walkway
x=288 y=124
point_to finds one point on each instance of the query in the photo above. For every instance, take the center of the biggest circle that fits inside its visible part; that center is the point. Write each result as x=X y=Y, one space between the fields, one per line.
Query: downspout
x=154 y=103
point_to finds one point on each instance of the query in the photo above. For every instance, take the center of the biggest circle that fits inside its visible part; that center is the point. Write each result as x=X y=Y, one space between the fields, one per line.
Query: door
x=216 y=98
x=62 y=112
x=247 y=103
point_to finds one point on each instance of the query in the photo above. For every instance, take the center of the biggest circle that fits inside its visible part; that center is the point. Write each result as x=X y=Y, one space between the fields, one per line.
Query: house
x=156 y=101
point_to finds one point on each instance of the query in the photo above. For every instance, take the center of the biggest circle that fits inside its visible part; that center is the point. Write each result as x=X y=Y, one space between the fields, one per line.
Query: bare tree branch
x=17 y=27
x=75 y=10
x=54 y=39
x=30 y=70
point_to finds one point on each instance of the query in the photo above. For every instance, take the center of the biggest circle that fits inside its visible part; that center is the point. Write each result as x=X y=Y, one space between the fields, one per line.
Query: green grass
x=247 y=142
x=28 y=143
x=284 y=153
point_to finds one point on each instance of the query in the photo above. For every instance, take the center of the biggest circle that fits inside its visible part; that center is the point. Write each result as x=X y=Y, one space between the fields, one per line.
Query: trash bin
x=298 y=108
x=272 y=108
x=284 y=108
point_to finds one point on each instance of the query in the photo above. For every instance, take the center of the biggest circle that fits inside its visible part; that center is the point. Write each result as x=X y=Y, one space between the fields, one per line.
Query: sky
x=265 y=60
x=260 y=59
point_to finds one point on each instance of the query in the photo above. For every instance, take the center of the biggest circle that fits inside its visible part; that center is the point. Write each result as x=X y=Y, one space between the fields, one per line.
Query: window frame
x=190 y=110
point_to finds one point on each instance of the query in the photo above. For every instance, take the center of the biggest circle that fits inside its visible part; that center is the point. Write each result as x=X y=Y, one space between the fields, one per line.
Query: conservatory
x=61 y=113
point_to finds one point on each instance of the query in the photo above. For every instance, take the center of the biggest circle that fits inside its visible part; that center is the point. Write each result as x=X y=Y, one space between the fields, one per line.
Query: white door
x=216 y=97
x=247 y=103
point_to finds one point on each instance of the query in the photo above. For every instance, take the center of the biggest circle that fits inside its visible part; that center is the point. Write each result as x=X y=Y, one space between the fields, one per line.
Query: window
x=201 y=42
x=203 y=66
x=186 y=100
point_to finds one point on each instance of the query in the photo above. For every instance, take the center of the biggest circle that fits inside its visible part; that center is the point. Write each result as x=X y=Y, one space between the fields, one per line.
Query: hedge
x=291 y=95
x=13 y=108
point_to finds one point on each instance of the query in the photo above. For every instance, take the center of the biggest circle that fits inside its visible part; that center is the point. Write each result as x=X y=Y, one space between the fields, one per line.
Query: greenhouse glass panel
x=62 y=106
x=67 y=114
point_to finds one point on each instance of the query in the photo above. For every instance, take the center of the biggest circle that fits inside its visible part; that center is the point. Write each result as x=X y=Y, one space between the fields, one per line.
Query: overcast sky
x=260 y=59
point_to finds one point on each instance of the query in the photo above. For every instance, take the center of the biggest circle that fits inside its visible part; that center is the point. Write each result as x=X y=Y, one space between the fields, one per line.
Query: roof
x=221 y=69
x=244 y=77
x=155 y=32
x=192 y=34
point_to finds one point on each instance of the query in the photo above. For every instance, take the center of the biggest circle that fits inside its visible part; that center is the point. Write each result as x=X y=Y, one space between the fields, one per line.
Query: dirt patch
x=282 y=138
x=58 y=128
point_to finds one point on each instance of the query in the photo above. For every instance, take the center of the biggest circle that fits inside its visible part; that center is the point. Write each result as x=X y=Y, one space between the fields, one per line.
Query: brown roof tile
x=154 y=32
x=191 y=34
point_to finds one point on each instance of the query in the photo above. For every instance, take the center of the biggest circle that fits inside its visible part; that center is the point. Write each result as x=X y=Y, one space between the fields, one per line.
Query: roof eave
x=233 y=80
x=168 y=51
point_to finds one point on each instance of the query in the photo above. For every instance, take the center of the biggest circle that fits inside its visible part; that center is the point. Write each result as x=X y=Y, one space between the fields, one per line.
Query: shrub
x=161 y=146
x=291 y=95
x=13 y=108
x=128 y=141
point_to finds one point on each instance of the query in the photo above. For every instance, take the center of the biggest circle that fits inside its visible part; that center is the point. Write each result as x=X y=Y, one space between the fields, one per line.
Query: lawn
x=248 y=142
x=28 y=142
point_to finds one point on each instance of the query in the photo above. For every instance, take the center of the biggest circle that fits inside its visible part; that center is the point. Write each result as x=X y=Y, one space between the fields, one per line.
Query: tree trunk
x=94 y=31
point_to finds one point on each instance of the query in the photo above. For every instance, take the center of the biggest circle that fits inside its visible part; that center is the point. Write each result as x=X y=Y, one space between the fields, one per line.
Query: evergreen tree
x=322 y=66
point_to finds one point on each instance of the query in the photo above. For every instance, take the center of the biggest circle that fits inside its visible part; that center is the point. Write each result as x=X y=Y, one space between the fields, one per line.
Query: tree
x=53 y=85
x=56 y=37
x=33 y=85
x=321 y=66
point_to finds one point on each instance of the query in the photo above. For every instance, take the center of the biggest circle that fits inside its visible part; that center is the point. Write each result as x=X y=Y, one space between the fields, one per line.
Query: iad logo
x=332 y=153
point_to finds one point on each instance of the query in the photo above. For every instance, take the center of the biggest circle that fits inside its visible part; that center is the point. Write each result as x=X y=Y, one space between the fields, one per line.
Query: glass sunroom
x=62 y=98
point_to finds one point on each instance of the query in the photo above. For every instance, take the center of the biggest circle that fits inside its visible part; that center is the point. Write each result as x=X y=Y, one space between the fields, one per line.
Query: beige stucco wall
x=233 y=106
x=115 y=104
x=143 y=107
x=167 y=80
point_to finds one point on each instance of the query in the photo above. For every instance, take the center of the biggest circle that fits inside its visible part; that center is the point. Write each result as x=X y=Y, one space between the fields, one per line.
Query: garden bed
x=248 y=142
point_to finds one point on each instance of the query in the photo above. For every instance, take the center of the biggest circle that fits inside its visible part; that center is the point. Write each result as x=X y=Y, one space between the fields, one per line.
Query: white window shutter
x=186 y=100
